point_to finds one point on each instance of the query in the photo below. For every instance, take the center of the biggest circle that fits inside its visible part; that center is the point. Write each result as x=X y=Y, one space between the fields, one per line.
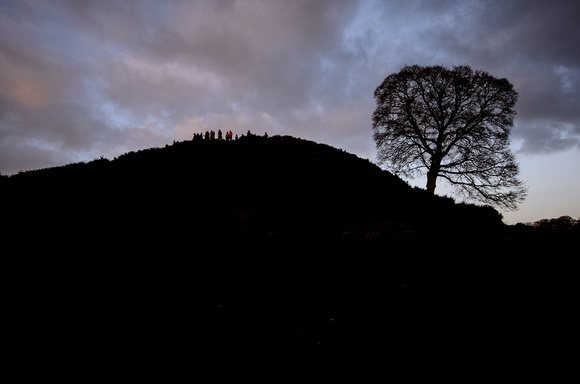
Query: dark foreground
x=348 y=312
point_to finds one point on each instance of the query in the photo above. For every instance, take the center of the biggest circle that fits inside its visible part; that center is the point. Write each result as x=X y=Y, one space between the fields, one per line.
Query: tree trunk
x=432 y=175
x=431 y=182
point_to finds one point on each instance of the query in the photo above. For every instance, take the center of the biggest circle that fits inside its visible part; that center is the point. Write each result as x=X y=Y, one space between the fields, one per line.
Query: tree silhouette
x=453 y=123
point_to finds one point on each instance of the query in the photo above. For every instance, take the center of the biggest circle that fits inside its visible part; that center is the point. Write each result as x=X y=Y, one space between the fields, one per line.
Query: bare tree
x=452 y=123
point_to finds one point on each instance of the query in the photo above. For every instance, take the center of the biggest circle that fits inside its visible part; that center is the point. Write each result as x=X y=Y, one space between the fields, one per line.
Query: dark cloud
x=83 y=79
x=532 y=43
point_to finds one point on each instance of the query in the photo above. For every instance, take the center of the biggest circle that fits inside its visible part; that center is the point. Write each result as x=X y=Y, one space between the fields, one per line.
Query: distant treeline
x=563 y=225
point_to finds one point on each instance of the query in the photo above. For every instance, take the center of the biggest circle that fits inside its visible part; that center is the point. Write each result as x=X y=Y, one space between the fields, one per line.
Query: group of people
x=210 y=135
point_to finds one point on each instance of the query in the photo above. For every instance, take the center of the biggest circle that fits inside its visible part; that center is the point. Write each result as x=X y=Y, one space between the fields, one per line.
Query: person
x=236 y=136
x=219 y=134
x=266 y=135
x=207 y=135
x=212 y=134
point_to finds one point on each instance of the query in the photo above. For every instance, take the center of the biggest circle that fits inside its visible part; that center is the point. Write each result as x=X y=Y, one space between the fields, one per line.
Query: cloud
x=267 y=49
x=546 y=137
x=81 y=79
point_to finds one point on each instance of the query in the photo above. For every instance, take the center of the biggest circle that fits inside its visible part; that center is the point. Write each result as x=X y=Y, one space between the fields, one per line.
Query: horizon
x=84 y=80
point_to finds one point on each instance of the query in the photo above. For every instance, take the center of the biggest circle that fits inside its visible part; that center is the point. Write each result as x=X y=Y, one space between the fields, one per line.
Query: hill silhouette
x=253 y=189
x=275 y=258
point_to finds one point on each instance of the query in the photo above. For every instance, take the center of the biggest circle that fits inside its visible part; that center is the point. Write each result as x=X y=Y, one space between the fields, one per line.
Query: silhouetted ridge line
x=251 y=188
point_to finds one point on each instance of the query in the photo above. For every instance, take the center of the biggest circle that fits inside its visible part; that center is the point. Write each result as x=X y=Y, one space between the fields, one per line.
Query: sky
x=84 y=79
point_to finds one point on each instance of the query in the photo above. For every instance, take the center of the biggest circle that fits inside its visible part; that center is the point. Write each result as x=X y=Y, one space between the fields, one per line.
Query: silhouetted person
x=266 y=135
x=207 y=135
x=219 y=134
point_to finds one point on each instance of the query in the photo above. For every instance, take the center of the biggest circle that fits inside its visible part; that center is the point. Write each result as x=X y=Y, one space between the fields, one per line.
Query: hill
x=254 y=189
x=271 y=259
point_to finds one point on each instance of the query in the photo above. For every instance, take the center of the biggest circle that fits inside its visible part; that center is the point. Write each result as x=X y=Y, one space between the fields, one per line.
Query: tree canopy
x=452 y=123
